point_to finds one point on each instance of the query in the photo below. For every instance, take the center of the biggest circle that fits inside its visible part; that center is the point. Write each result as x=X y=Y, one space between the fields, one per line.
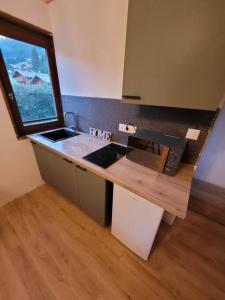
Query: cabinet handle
x=132 y=97
x=67 y=160
x=82 y=169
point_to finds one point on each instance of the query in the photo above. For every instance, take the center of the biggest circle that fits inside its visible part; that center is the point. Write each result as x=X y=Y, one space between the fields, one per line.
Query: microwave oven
x=156 y=150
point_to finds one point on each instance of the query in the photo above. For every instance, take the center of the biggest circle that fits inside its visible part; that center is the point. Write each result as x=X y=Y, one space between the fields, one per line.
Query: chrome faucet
x=74 y=127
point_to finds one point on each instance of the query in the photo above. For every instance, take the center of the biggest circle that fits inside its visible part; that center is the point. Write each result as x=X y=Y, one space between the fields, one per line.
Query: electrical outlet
x=127 y=128
x=192 y=134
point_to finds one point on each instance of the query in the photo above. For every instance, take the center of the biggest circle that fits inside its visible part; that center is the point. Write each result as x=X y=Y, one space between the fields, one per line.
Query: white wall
x=32 y=11
x=211 y=167
x=90 y=45
x=18 y=169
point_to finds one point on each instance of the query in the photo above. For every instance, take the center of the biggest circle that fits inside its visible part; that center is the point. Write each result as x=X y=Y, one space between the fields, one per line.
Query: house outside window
x=29 y=76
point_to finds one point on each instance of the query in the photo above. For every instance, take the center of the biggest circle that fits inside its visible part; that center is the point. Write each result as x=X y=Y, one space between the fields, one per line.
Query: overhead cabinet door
x=175 y=53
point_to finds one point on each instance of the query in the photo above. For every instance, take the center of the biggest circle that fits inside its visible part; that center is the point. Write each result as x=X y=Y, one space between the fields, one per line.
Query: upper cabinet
x=175 y=53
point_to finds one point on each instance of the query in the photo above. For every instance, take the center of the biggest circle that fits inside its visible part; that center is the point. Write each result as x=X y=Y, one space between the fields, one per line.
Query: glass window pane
x=28 y=69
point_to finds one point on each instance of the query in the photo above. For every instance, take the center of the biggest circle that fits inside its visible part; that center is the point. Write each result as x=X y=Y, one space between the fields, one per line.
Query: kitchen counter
x=170 y=193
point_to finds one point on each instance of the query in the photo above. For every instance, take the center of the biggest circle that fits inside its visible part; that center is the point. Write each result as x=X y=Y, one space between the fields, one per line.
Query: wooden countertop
x=170 y=193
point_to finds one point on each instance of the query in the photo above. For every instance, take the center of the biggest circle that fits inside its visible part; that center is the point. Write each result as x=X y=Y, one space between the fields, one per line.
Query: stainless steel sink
x=59 y=135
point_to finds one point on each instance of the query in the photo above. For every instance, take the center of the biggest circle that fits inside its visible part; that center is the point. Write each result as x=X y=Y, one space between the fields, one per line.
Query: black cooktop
x=106 y=156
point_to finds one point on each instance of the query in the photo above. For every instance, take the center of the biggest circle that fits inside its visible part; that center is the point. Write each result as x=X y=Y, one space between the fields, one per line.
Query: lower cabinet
x=135 y=221
x=93 y=194
x=58 y=172
x=65 y=178
x=45 y=163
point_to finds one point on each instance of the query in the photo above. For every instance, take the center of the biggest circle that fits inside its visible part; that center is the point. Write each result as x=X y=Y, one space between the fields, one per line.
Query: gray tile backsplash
x=106 y=114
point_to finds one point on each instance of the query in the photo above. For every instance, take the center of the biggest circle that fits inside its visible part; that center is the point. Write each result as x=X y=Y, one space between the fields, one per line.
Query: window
x=29 y=76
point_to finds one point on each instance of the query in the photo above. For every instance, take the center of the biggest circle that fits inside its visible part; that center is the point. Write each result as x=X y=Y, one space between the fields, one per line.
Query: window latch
x=11 y=96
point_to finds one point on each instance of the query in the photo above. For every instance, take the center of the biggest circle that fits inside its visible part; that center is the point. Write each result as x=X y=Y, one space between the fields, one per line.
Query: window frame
x=20 y=30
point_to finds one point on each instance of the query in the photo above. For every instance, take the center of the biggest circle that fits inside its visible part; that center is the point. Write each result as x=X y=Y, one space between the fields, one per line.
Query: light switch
x=192 y=134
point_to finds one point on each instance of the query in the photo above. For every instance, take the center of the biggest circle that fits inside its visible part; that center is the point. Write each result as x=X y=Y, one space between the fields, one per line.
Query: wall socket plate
x=127 y=128
x=193 y=134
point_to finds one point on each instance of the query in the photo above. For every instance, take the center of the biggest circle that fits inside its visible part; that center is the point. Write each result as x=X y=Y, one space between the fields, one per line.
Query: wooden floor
x=208 y=200
x=49 y=249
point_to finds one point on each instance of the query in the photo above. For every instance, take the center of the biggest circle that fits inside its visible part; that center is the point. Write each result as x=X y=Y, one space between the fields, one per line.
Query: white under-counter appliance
x=135 y=221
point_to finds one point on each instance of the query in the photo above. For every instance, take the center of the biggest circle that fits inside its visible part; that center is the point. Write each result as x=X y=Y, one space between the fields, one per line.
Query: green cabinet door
x=58 y=172
x=44 y=161
x=95 y=196
x=65 y=178
x=175 y=53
